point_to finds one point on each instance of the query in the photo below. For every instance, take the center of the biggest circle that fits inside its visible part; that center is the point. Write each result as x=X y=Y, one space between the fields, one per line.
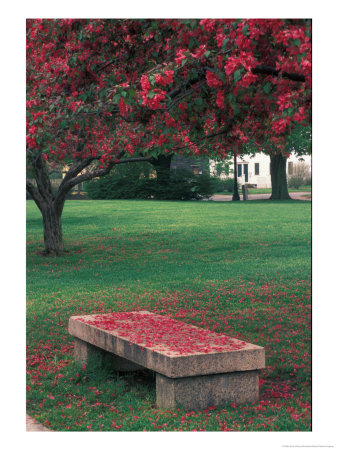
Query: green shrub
x=124 y=181
x=228 y=185
x=184 y=185
x=224 y=185
x=219 y=184
x=109 y=188
x=295 y=181
x=181 y=185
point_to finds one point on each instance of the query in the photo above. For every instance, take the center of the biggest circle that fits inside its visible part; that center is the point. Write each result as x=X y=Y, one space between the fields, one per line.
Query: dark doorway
x=246 y=173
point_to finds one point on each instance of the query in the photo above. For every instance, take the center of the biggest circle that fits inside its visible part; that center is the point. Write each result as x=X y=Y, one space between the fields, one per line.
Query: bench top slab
x=170 y=347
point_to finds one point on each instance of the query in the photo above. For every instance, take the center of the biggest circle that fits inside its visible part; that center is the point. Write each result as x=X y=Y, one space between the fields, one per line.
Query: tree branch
x=89 y=176
x=179 y=97
x=269 y=70
x=139 y=159
x=72 y=178
x=42 y=179
x=34 y=193
x=75 y=169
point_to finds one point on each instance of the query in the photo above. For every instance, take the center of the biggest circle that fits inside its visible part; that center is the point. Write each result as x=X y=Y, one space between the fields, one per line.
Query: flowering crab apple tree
x=107 y=92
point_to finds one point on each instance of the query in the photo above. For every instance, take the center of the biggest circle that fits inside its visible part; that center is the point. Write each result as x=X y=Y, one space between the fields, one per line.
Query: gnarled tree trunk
x=278 y=177
x=51 y=207
x=52 y=229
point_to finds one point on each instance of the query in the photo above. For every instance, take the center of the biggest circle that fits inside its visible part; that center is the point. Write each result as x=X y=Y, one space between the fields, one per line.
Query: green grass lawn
x=242 y=269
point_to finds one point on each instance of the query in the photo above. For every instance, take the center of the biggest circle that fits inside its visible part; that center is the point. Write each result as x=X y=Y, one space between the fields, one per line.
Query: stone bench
x=195 y=368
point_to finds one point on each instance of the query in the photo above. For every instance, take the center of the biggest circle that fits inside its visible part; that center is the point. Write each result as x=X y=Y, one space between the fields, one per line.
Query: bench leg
x=200 y=392
x=83 y=351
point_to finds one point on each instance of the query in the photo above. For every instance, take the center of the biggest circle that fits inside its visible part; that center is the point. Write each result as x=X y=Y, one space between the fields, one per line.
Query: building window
x=239 y=170
x=256 y=168
x=290 y=167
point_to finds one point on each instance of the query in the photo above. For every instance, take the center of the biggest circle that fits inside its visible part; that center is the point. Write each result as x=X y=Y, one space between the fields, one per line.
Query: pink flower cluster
x=279 y=126
x=244 y=59
x=164 y=79
x=158 y=95
x=124 y=108
x=213 y=80
x=220 y=99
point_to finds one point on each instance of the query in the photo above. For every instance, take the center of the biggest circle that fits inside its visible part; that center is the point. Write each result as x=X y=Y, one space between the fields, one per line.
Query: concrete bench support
x=83 y=351
x=207 y=390
x=195 y=368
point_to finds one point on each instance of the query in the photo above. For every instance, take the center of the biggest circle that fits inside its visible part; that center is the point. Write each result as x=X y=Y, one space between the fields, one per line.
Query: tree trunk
x=162 y=166
x=278 y=177
x=52 y=229
x=235 y=196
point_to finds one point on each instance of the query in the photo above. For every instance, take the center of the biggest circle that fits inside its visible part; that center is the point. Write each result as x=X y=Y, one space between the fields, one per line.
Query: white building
x=255 y=169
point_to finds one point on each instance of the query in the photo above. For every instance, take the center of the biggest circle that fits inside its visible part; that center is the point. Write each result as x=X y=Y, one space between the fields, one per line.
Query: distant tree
x=301 y=175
